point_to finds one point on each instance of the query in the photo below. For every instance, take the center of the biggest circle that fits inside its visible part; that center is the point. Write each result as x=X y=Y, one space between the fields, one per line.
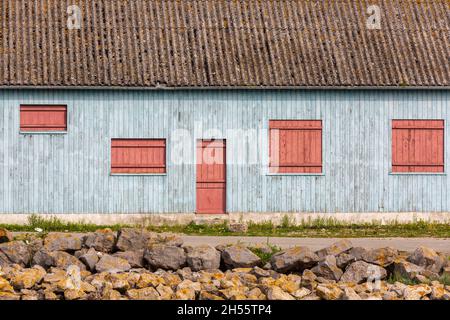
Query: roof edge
x=229 y=88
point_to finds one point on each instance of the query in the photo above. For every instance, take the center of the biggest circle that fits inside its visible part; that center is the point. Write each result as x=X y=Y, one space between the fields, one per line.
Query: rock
x=276 y=293
x=416 y=292
x=202 y=258
x=14 y=252
x=102 y=240
x=73 y=294
x=185 y=294
x=43 y=258
x=327 y=269
x=301 y=293
x=134 y=258
x=335 y=249
x=90 y=259
x=309 y=280
x=238 y=227
x=131 y=239
x=344 y=259
x=358 y=253
x=165 y=257
x=427 y=258
x=9 y=296
x=407 y=269
x=58 y=241
x=167 y=238
x=350 y=294
x=73 y=278
x=165 y=292
x=382 y=257
x=361 y=271
x=5 y=235
x=205 y=295
x=112 y=264
x=239 y=257
x=143 y=294
x=329 y=291
x=186 y=284
x=5 y=286
x=437 y=292
x=28 y=278
x=296 y=258
x=63 y=260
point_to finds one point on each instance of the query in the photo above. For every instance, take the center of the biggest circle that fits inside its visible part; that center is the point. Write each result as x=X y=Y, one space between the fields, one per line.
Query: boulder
x=361 y=271
x=344 y=259
x=165 y=256
x=335 y=249
x=43 y=258
x=328 y=269
x=27 y=278
x=239 y=257
x=108 y=263
x=102 y=240
x=134 y=258
x=58 y=241
x=350 y=294
x=14 y=252
x=407 y=269
x=427 y=258
x=63 y=260
x=358 y=252
x=296 y=258
x=131 y=239
x=5 y=286
x=5 y=235
x=276 y=293
x=167 y=238
x=148 y=293
x=90 y=258
x=202 y=258
x=329 y=291
x=382 y=256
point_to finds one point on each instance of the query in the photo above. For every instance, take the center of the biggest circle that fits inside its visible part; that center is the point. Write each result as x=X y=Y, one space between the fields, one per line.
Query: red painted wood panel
x=418 y=146
x=43 y=118
x=295 y=146
x=138 y=156
x=211 y=176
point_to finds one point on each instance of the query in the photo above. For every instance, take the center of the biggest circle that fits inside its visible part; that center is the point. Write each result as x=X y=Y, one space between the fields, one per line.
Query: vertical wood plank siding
x=71 y=173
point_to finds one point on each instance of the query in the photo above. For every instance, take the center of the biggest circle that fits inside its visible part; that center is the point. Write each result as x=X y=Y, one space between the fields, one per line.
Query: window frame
x=135 y=174
x=281 y=174
x=41 y=132
x=390 y=146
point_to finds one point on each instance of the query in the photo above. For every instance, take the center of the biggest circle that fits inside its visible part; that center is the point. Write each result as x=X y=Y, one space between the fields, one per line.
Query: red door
x=211 y=176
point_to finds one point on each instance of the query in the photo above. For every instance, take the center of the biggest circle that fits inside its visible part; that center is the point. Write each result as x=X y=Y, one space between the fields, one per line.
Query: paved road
x=404 y=244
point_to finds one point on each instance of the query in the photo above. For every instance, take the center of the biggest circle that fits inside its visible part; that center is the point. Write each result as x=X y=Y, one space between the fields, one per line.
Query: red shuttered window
x=138 y=156
x=418 y=146
x=295 y=146
x=43 y=118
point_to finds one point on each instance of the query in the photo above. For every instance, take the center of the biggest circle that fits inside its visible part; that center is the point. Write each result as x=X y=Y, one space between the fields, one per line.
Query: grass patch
x=265 y=253
x=397 y=277
x=312 y=228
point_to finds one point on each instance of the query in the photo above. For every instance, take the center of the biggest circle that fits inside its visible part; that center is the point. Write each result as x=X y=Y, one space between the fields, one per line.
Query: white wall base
x=276 y=218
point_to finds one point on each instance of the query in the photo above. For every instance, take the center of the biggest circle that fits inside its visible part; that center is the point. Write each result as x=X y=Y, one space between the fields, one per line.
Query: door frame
x=196 y=141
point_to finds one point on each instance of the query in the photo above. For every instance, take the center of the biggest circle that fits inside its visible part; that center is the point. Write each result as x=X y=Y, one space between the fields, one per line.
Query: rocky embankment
x=138 y=264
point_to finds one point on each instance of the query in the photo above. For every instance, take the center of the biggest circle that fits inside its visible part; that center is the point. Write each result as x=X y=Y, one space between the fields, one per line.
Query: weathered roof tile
x=225 y=43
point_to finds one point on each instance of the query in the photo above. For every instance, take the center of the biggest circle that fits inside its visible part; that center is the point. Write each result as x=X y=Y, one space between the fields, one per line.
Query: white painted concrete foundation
x=276 y=218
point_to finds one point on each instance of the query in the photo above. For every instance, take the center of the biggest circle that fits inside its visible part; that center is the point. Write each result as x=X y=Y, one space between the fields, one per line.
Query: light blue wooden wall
x=70 y=173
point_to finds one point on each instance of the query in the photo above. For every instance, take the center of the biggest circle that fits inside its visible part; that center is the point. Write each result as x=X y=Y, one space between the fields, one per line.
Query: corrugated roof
x=225 y=43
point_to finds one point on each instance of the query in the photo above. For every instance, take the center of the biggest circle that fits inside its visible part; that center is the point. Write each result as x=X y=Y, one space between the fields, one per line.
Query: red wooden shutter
x=295 y=146
x=43 y=118
x=138 y=156
x=418 y=146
